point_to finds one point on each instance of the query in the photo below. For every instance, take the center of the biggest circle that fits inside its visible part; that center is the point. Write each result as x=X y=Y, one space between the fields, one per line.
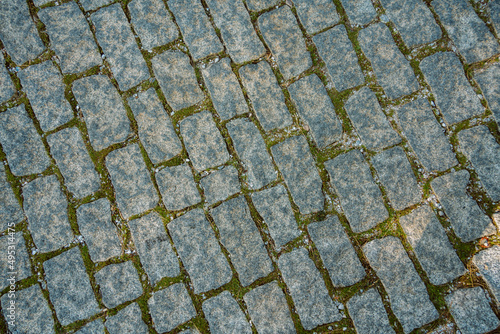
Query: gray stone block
x=220 y=184
x=494 y=11
x=368 y=313
x=224 y=315
x=118 y=283
x=359 y=12
x=10 y=210
x=127 y=321
x=316 y=15
x=488 y=263
x=6 y=86
x=177 y=187
x=488 y=79
x=89 y=5
x=94 y=327
x=257 y=5
x=15 y=260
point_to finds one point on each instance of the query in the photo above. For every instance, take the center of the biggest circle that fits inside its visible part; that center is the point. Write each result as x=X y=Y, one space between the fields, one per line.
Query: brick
x=6 y=86
x=127 y=320
x=316 y=15
x=177 y=187
x=89 y=5
x=118 y=283
x=488 y=263
x=224 y=315
x=10 y=210
x=487 y=80
x=368 y=313
x=257 y=5
x=359 y=12
x=220 y=184
x=21 y=263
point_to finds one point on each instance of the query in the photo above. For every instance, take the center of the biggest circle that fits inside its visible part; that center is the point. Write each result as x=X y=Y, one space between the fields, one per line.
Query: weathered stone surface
x=426 y=136
x=469 y=33
x=118 y=283
x=21 y=143
x=481 y=148
x=199 y=251
x=170 y=307
x=46 y=209
x=70 y=37
x=6 y=86
x=156 y=132
x=336 y=252
x=242 y=239
x=224 y=315
x=494 y=11
x=10 y=210
x=359 y=12
x=368 y=313
x=308 y=290
x=316 y=109
x=487 y=79
x=99 y=233
x=281 y=32
x=220 y=184
x=316 y=15
x=177 y=187
x=393 y=71
x=115 y=37
x=69 y=287
x=103 y=111
x=177 y=79
x=15 y=259
x=369 y=120
x=359 y=196
x=94 y=327
x=152 y=22
x=128 y=320
x=297 y=165
x=267 y=98
x=134 y=189
x=397 y=177
x=203 y=141
x=257 y=5
x=488 y=263
x=195 y=26
x=153 y=246
x=398 y=275
x=94 y=4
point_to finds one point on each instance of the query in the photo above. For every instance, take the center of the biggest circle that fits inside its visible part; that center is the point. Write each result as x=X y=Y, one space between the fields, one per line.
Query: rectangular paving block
x=398 y=275
x=118 y=283
x=252 y=152
x=368 y=313
x=488 y=79
x=6 y=86
x=156 y=132
x=316 y=109
x=10 y=210
x=103 y=111
x=16 y=263
x=360 y=197
x=298 y=167
x=224 y=315
x=392 y=70
x=257 y=5
x=128 y=319
x=89 y=5
x=308 y=290
x=220 y=184
x=266 y=95
x=177 y=187
x=240 y=236
x=488 y=263
x=46 y=208
x=425 y=135
x=199 y=251
x=96 y=326
x=494 y=11
x=118 y=44
x=359 y=12
x=283 y=36
x=171 y=307
x=70 y=37
x=316 y=15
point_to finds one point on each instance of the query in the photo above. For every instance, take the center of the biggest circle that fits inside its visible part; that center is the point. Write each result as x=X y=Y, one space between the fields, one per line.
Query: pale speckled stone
x=118 y=283
x=488 y=263
x=488 y=80
x=6 y=86
x=359 y=12
x=220 y=184
x=94 y=327
x=257 y=5
x=20 y=268
x=177 y=187
x=10 y=210
x=368 y=313
x=94 y=4
x=127 y=321
x=316 y=15
x=494 y=11
x=224 y=315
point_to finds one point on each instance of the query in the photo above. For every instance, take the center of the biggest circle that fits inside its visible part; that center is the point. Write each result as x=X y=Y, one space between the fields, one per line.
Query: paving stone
x=487 y=80
x=199 y=251
x=134 y=189
x=257 y=5
x=431 y=246
x=308 y=290
x=127 y=321
x=467 y=219
x=103 y=111
x=494 y=11
x=46 y=208
x=18 y=265
x=156 y=132
x=393 y=71
x=220 y=184
x=368 y=313
x=228 y=102
x=236 y=29
x=269 y=310
x=10 y=210
x=301 y=176
x=274 y=207
x=18 y=32
x=73 y=160
x=99 y=233
x=177 y=79
x=471 y=311
x=359 y=196
x=488 y=263
x=118 y=283
x=283 y=36
x=426 y=136
x=397 y=177
x=93 y=4
x=454 y=95
x=70 y=37
x=115 y=37
x=152 y=23
x=240 y=236
x=316 y=109
x=336 y=252
x=252 y=151
x=6 y=86
x=469 y=33
x=267 y=98
x=36 y=316
x=21 y=143
x=94 y=327
x=69 y=287
x=359 y=12
x=153 y=246
x=481 y=148
x=412 y=16
x=171 y=307
x=399 y=277
x=316 y=15
x=203 y=141
x=177 y=187
x=195 y=26
x=224 y=315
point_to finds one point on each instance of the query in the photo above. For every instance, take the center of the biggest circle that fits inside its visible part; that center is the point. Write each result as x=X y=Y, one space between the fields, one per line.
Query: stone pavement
x=249 y=166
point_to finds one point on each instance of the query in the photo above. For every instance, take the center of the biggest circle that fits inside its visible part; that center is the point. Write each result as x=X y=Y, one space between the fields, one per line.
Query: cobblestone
x=359 y=12
x=127 y=320
x=118 y=283
x=487 y=80
x=488 y=263
x=368 y=314
x=316 y=15
x=177 y=187
x=6 y=86
x=225 y=316
x=257 y=5
x=89 y=5
x=95 y=326
x=10 y=210
x=21 y=265
x=220 y=184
